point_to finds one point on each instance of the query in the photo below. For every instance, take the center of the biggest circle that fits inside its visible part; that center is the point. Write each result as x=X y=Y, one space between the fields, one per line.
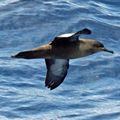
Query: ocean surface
x=91 y=90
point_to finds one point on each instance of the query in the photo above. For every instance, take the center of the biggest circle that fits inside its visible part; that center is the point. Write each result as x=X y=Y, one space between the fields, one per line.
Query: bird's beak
x=106 y=50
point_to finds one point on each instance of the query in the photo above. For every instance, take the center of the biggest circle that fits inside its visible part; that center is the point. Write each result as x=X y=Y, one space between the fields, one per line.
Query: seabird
x=58 y=52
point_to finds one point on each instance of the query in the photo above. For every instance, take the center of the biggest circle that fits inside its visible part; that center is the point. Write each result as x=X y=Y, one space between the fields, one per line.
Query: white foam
x=6 y=2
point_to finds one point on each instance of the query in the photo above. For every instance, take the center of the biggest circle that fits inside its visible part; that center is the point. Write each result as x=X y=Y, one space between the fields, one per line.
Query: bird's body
x=59 y=51
x=68 y=50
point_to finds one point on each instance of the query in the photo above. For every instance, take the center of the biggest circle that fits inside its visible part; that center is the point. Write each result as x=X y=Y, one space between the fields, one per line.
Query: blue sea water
x=91 y=90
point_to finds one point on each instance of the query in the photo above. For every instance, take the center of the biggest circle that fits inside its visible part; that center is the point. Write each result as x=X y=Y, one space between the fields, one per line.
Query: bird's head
x=93 y=46
x=99 y=47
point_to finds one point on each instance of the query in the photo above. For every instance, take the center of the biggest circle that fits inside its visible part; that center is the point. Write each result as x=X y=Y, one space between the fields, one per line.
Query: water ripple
x=91 y=89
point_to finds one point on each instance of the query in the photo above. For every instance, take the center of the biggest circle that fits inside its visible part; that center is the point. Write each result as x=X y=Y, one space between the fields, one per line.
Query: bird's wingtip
x=86 y=31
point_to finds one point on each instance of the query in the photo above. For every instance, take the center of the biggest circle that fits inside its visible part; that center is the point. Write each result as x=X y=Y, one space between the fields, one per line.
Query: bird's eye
x=98 y=45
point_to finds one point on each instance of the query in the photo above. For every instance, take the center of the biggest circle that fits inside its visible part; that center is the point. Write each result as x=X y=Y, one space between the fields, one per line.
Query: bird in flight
x=58 y=52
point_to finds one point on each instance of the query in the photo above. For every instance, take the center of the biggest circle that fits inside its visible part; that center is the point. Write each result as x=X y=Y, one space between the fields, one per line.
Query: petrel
x=58 y=52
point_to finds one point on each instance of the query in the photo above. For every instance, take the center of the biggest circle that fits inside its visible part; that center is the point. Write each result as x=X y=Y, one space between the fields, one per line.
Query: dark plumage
x=59 y=51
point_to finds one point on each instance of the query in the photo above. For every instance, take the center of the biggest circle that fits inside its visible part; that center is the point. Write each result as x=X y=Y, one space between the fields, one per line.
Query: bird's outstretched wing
x=69 y=37
x=56 y=72
x=77 y=34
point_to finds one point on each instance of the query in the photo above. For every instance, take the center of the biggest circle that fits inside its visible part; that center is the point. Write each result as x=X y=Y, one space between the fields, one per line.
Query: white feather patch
x=66 y=35
x=58 y=67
